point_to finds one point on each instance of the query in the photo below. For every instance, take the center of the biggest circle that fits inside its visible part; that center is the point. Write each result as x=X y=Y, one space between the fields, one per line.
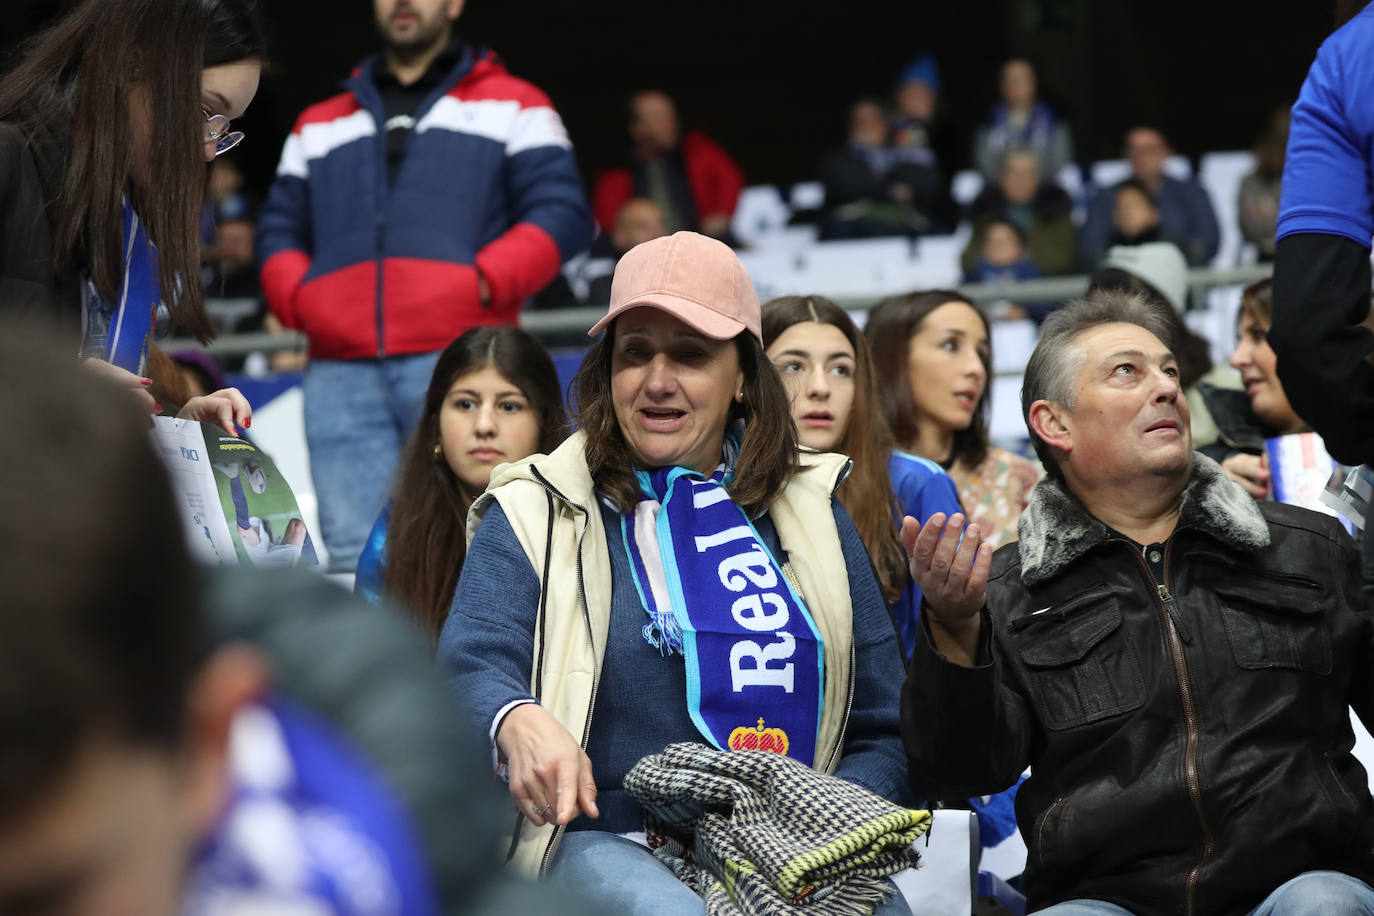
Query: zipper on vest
x=557 y=836
x=1175 y=637
x=844 y=723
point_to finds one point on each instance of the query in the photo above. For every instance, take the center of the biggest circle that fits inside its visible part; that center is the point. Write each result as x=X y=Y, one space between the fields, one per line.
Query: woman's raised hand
x=550 y=775
x=950 y=566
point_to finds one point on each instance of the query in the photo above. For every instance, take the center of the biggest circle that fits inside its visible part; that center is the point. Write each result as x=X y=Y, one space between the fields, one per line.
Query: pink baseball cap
x=692 y=277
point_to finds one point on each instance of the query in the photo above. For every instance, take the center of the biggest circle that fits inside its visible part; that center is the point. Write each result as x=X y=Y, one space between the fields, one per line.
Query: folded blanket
x=757 y=833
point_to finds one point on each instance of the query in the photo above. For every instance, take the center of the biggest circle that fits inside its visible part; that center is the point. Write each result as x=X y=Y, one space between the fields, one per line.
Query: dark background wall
x=771 y=80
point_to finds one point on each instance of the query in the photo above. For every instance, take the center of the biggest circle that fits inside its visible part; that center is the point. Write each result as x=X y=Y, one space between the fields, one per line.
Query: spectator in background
x=919 y=130
x=1185 y=213
x=1259 y=191
x=932 y=350
x=639 y=220
x=1040 y=209
x=1135 y=216
x=1021 y=119
x=1003 y=257
x=233 y=272
x=870 y=192
x=494 y=398
x=1246 y=418
x=384 y=242
x=694 y=182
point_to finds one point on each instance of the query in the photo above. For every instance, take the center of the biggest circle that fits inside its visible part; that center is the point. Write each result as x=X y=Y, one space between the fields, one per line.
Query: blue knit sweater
x=486 y=647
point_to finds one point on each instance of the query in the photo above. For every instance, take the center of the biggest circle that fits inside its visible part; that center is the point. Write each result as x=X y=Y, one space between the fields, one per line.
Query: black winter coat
x=1189 y=739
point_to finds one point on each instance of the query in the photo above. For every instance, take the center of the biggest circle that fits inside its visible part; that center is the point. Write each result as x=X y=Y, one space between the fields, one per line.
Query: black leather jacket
x=1189 y=739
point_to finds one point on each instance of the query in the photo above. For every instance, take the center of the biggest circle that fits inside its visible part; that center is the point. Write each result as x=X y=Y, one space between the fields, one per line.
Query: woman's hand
x=123 y=378
x=950 y=566
x=224 y=408
x=1250 y=471
x=550 y=775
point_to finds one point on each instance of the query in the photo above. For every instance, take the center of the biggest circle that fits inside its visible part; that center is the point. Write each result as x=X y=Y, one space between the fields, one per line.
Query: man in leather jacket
x=1173 y=660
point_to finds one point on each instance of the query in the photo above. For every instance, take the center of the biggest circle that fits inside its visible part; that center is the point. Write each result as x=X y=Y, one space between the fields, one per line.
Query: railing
x=565 y=321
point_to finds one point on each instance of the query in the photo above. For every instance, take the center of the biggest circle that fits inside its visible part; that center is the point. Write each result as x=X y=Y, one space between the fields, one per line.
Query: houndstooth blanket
x=757 y=834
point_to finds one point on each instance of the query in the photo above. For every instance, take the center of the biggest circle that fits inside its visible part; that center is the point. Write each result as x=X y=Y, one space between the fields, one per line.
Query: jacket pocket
x=1080 y=665
x=1277 y=622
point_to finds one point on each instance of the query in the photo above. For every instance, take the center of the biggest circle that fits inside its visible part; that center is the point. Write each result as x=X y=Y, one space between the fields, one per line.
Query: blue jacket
x=489 y=190
x=486 y=647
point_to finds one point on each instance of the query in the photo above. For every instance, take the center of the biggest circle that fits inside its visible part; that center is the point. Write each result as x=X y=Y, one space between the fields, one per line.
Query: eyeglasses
x=218 y=134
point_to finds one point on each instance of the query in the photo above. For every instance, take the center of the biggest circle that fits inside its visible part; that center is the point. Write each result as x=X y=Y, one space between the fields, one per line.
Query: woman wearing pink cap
x=677 y=571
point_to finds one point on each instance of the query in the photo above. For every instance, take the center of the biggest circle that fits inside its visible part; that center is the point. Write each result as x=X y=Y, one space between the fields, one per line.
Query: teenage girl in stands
x=824 y=362
x=106 y=123
x=932 y=355
x=494 y=397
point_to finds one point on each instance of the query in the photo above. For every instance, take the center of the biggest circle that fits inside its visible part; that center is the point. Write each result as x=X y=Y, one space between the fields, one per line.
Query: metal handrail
x=569 y=321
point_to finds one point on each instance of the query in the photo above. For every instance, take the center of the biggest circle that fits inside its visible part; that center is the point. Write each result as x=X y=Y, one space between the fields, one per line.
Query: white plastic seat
x=966 y=187
x=761 y=215
x=806 y=195
x=1220 y=175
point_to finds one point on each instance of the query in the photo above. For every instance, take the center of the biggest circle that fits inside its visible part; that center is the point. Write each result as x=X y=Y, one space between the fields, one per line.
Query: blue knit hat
x=922 y=69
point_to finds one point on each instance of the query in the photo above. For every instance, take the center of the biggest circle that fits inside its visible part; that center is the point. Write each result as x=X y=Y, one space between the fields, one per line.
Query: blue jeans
x=1312 y=893
x=358 y=414
x=621 y=876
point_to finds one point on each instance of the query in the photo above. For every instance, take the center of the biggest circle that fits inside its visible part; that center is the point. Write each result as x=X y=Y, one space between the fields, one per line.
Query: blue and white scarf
x=715 y=594
x=119 y=332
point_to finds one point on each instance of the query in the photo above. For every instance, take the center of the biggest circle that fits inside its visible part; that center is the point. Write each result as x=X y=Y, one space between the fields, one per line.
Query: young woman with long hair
x=493 y=398
x=932 y=353
x=107 y=121
x=825 y=363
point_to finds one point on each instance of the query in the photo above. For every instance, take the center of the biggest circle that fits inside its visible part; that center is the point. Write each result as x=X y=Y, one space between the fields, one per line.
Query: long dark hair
x=768 y=455
x=889 y=330
x=426 y=537
x=72 y=87
x=867 y=493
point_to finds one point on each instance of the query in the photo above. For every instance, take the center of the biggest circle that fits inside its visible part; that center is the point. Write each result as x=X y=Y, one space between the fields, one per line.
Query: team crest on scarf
x=715 y=593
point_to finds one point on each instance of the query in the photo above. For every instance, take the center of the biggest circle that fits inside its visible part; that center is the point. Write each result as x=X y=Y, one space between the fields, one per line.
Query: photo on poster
x=258 y=504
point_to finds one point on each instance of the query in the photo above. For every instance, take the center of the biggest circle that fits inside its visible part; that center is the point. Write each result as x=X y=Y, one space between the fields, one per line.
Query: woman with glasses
x=106 y=122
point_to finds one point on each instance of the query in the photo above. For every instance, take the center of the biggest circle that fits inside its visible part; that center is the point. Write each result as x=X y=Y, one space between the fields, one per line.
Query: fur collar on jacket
x=1056 y=529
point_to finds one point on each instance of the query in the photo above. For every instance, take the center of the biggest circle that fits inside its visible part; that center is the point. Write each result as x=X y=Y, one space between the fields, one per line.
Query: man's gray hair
x=1053 y=367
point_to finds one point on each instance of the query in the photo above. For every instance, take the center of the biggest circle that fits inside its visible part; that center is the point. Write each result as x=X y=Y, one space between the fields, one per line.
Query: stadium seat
x=806 y=195
x=866 y=267
x=936 y=263
x=1220 y=175
x=760 y=216
x=966 y=187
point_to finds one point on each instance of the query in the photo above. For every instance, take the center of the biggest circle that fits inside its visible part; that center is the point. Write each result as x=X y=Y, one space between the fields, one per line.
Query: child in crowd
x=1135 y=216
x=825 y=363
x=933 y=351
x=494 y=398
x=1004 y=258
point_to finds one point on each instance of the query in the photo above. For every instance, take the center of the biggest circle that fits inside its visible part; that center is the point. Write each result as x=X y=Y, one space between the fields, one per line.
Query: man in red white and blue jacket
x=435 y=194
